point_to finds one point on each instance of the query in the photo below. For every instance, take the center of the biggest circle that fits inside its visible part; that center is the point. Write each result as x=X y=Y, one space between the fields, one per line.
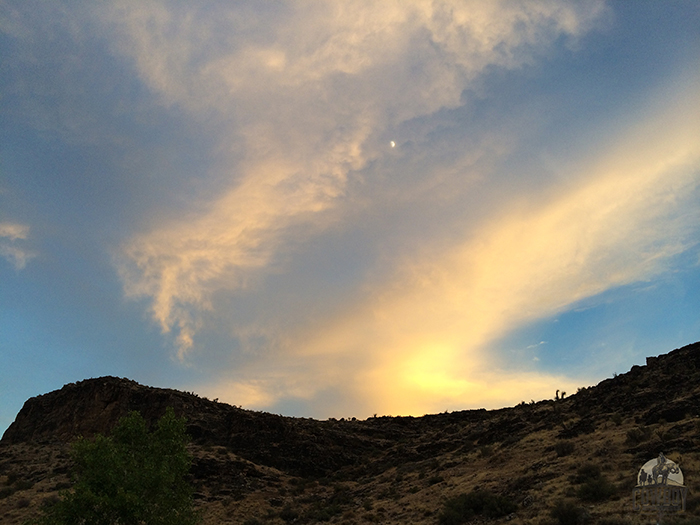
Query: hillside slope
x=254 y=467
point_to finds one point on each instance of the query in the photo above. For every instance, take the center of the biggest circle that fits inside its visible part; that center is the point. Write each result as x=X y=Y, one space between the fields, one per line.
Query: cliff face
x=303 y=446
x=411 y=464
x=88 y=407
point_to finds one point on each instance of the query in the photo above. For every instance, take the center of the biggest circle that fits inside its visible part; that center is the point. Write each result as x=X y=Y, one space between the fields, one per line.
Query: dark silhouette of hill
x=275 y=469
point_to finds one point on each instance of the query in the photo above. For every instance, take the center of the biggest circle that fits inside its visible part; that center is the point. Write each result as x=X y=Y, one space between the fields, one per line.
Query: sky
x=340 y=209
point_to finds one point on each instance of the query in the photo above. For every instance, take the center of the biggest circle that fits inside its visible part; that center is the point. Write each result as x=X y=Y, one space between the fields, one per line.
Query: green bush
x=131 y=477
x=464 y=507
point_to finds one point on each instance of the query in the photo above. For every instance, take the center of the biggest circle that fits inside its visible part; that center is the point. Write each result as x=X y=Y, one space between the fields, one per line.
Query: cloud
x=419 y=343
x=311 y=91
x=13 y=231
x=10 y=248
x=306 y=99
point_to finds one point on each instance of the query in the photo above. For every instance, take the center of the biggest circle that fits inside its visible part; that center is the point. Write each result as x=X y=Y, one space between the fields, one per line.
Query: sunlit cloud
x=311 y=103
x=420 y=343
x=11 y=248
x=311 y=92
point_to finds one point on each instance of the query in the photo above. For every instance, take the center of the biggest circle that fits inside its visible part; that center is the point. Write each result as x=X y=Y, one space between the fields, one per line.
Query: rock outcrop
x=275 y=468
x=662 y=390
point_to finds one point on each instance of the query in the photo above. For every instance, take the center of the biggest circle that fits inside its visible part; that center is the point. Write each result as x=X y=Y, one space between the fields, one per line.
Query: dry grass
x=530 y=472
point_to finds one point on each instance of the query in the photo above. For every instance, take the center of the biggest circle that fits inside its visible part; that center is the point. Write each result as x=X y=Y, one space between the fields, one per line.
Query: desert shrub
x=594 y=485
x=681 y=519
x=511 y=440
x=468 y=446
x=595 y=490
x=464 y=507
x=613 y=521
x=486 y=451
x=434 y=480
x=132 y=476
x=567 y=513
x=12 y=477
x=692 y=503
x=638 y=435
x=341 y=495
x=23 y=503
x=50 y=501
x=5 y=492
x=252 y=521
x=289 y=514
x=320 y=513
x=23 y=484
x=389 y=493
x=563 y=448
x=587 y=472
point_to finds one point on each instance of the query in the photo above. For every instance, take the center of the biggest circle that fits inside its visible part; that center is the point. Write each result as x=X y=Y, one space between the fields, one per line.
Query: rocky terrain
x=579 y=452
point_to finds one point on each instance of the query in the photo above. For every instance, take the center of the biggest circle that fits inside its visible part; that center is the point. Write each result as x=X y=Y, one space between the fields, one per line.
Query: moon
x=392 y=144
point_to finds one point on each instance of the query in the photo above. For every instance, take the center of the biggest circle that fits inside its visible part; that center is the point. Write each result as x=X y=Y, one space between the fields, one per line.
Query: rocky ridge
x=255 y=467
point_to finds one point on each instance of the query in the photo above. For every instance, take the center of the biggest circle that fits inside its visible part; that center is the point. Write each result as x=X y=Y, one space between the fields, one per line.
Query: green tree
x=132 y=477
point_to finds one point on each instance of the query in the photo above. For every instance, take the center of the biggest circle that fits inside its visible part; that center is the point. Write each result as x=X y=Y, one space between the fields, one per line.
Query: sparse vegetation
x=613 y=521
x=638 y=435
x=564 y=448
x=289 y=514
x=566 y=512
x=486 y=451
x=464 y=507
x=595 y=486
x=23 y=484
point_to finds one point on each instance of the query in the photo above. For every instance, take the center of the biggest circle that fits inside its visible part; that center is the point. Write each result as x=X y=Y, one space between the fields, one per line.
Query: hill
x=255 y=467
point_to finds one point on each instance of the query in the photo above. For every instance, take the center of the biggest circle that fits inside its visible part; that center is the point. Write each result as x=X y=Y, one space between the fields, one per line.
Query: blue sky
x=340 y=209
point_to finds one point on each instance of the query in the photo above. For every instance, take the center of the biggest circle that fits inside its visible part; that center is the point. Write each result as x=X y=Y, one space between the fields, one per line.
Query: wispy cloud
x=338 y=208
x=305 y=99
x=11 y=248
x=420 y=341
x=313 y=91
x=13 y=231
